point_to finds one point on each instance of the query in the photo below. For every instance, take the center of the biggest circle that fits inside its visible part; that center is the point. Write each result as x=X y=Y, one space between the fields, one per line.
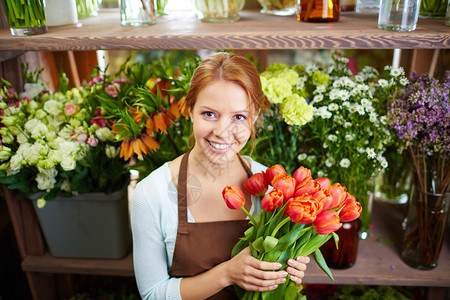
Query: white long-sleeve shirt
x=154 y=224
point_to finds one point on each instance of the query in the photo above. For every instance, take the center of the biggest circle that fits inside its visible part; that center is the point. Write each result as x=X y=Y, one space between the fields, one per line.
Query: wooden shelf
x=253 y=31
x=377 y=264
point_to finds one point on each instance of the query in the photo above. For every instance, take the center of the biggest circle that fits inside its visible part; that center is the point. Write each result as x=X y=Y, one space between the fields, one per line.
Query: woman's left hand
x=297 y=268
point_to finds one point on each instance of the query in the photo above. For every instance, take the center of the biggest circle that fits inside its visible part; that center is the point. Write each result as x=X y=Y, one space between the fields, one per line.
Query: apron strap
x=182 y=191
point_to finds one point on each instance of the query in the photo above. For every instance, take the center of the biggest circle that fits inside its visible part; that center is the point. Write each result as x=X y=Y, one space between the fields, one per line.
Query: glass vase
x=318 y=11
x=367 y=6
x=87 y=8
x=218 y=11
x=425 y=229
x=137 y=12
x=278 y=7
x=393 y=185
x=398 y=15
x=345 y=255
x=433 y=8
x=25 y=18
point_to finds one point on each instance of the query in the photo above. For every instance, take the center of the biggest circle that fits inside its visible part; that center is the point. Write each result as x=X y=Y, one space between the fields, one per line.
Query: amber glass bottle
x=318 y=11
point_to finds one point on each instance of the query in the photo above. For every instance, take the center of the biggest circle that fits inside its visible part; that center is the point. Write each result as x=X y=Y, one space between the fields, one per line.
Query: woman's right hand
x=252 y=274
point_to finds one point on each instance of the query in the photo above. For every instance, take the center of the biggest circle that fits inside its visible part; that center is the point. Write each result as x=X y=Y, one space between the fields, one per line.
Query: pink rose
x=71 y=109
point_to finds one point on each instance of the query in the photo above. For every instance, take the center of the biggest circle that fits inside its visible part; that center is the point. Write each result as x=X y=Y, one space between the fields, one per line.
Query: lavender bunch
x=421 y=114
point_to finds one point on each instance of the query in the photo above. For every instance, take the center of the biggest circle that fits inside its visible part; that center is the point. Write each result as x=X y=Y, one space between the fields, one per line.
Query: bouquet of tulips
x=299 y=214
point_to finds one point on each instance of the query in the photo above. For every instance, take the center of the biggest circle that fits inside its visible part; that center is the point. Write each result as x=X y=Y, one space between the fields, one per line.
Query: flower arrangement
x=56 y=143
x=337 y=132
x=299 y=215
x=420 y=116
x=145 y=103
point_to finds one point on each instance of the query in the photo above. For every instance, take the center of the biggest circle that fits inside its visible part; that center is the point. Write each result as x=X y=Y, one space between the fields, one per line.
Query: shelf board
x=253 y=31
x=106 y=267
x=377 y=264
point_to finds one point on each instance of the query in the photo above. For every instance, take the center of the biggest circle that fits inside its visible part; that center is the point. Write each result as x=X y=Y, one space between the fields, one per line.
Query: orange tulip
x=352 y=209
x=273 y=171
x=308 y=186
x=308 y=206
x=272 y=200
x=256 y=185
x=327 y=222
x=301 y=174
x=324 y=182
x=286 y=184
x=233 y=196
x=324 y=197
x=338 y=193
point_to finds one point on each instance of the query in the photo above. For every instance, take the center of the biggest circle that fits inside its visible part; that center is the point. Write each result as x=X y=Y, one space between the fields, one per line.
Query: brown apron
x=201 y=246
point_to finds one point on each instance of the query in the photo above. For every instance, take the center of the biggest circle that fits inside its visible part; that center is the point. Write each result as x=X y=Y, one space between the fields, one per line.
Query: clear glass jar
x=27 y=19
x=137 y=12
x=318 y=11
x=367 y=6
x=87 y=8
x=218 y=11
x=278 y=7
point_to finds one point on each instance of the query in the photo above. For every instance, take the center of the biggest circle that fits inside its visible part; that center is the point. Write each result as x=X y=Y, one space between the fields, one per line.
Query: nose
x=223 y=129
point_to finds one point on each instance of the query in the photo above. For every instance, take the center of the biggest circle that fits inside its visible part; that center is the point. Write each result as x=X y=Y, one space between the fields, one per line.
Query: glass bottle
x=137 y=12
x=318 y=10
x=345 y=255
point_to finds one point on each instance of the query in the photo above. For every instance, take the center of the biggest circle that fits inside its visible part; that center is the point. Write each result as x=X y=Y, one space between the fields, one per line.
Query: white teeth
x=219 y=146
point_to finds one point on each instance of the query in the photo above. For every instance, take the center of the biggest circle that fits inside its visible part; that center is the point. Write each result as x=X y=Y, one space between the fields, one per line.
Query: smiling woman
x=191 y=232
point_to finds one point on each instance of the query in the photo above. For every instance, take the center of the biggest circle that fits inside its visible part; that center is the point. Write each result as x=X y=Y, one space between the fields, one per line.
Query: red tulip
x=273 y=171
x=286 y=184
x=352 y=209
x=338 y=192
x=327 y=222
x=301 y=174
x=272 y=200
x=256 y=185
x=324 y=182
x=324 y=197
x=303 y=209
x=308 y=186
x=233 y=196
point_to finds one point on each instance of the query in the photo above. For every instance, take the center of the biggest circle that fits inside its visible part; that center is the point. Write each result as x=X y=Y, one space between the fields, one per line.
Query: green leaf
x=269 y=243
x=322 y=263
x=258 y=244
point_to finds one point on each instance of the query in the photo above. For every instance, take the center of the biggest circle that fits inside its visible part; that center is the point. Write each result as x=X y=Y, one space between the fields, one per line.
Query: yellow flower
x=296 y=111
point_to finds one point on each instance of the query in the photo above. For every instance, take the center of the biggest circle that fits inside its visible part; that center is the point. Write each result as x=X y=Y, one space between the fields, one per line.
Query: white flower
x=360 y=150
x=395 y=72
x=41 y=202
x=360 y=109
x=371 y=153
x=383 y=120
x=344 y=95
x=332 y=137
x=55 y=156
x=68 y=163
x=317 y=98
x=347 y=124
x=111 y=151
x=65 y=186
x=333 y=106
x=302 y=156
x=31 y=90
x=373 y=117
x=5 y=153
x=334 y=94
x=310 y=69
x=350 y=137
x=15 y=164
x=311 y=158
x=320 y=174
x=383 y=83
x=270 y=127
x=345 y=163
x=404 y=81
x=46 y=180
x=104 y=134
x=329 y=162
x=323 y=112
x=33 y=153
x=320 y=89
x=53 y=107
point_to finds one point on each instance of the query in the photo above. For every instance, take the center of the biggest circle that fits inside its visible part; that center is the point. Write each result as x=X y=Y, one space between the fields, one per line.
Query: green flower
x=320 y=78
x=277 y=90
x=296 y=111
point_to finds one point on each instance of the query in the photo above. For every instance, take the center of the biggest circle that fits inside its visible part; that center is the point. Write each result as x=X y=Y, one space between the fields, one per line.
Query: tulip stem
x=285 y=220
x=249 y=215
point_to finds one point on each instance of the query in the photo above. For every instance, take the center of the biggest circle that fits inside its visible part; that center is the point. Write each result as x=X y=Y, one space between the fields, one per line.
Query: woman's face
x=221 y=121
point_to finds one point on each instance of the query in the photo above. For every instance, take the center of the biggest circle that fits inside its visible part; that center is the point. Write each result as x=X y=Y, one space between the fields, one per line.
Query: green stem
x=275 y=230
x=249 y=215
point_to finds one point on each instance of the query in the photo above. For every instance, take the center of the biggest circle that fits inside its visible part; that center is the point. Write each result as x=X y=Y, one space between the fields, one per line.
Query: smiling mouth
x=219 y=146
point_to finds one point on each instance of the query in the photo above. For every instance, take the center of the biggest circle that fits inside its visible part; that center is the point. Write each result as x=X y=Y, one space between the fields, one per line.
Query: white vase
x=61 y=12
